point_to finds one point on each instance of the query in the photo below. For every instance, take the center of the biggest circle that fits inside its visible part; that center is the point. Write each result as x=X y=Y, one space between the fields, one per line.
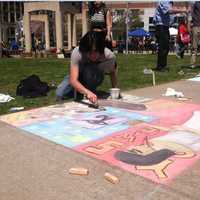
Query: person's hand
x=92 y=97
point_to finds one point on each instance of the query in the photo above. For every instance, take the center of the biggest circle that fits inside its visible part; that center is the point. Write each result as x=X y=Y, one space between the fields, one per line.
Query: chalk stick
x=111 y=178
x=183 y=99
x=79 y=171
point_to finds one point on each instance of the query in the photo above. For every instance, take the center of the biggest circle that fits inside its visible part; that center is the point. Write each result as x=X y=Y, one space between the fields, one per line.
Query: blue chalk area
x=63 y=131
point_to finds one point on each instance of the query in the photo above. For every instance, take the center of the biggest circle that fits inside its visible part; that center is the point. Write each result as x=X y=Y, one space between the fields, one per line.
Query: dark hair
x=93 y=40
x=182 y=20
x=92 y=7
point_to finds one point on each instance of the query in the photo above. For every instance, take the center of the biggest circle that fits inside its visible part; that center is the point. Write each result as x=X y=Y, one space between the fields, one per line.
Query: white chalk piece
x=79 y=171
x=184 y=99
x=14 y=109
x=111 y=178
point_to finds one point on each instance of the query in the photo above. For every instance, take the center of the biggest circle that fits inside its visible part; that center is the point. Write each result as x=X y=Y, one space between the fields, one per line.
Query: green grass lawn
x=130 y=76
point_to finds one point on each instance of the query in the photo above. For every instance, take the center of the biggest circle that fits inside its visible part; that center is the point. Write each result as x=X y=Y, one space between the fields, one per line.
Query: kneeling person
x=89 y=62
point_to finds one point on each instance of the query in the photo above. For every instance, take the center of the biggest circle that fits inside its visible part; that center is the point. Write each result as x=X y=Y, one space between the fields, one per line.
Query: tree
x=0 y=45
x=119 y=22
x=135 y=20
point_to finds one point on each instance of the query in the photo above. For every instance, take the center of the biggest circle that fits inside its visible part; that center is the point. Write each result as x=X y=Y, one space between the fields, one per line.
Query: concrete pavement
x=32 y=168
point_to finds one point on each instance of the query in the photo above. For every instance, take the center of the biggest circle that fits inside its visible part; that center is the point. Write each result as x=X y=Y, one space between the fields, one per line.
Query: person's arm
x=168 y=7
x=173 y=10
x=177 y=10
x=74 y=74
x=108 y=24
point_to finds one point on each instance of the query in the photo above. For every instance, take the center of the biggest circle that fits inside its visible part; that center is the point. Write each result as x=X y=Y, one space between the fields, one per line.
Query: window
x=12 y=17
x=5 y=7
x=5 y=16
x=11 y=6
x=150 y=20
x=18 y=16
x=11 y=32
x=17 y=6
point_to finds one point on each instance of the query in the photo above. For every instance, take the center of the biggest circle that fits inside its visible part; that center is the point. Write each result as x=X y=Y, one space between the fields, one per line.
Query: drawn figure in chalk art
x=154 y=154
x=98 y=121
x=103 y=148
x=150 y=159
x=101 y=120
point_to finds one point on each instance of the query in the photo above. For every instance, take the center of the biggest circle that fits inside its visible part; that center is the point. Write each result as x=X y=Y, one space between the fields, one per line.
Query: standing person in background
x=195 y=24
x=162 y=23
x=101 y=20
x=183 y=37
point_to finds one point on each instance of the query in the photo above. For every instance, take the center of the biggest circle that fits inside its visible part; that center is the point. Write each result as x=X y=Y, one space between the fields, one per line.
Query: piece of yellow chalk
x=111 y=178
x=79 y=171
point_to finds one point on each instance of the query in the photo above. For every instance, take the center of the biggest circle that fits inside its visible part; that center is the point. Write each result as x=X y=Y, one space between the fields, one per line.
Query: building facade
x=55 y=21
x=60 y=24
x=11 y=15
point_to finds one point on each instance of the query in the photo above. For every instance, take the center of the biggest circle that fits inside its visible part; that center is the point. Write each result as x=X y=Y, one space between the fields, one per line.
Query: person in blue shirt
x=162 y=22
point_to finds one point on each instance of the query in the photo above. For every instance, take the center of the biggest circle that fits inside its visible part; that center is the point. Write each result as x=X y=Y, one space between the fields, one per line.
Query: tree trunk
x=0 y=49
x=0 y=43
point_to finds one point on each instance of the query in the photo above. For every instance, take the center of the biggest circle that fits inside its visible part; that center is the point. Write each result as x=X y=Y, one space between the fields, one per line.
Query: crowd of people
x=7 y=49
x=138 y=45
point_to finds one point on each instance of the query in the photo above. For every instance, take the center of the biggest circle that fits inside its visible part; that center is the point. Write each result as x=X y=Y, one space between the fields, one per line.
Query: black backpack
x=31 y=87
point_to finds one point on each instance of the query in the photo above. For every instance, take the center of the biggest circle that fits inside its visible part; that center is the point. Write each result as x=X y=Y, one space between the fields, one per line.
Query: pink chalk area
x=176 y=116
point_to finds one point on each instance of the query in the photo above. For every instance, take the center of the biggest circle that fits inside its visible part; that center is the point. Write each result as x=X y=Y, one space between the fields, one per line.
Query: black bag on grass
x=31 y=87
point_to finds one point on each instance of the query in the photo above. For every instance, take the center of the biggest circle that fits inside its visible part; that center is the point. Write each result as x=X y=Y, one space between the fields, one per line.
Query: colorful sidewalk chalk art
x=159 y=150
x=44 y=114
x=157 y=143
x=80 y=128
